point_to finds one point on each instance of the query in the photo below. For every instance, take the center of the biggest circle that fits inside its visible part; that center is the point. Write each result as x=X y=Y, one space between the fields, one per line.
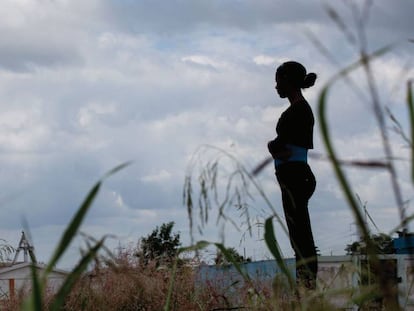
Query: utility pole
x=27 y=249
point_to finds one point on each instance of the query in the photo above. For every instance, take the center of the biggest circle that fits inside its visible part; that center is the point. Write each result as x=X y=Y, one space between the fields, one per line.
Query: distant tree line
x=160 y=247
x=383 y=244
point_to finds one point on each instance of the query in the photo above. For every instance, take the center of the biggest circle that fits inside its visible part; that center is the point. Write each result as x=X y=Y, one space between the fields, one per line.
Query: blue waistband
x=299 y=154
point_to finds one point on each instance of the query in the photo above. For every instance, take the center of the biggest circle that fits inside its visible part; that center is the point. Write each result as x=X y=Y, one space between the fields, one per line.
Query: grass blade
x=322 y=102
x=73 y=227
x=239 y=269
x=336 y=165
x=232 y=260
x=410 y=104
x=271 y=242
x=116 y=169
x=77 y=220
x=171 y=286
x=385 y=289
x=35 y=301
x=198 y=246
x=74 y=276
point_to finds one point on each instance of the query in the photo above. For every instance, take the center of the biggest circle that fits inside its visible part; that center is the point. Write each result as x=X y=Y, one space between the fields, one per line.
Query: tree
x=160 y=246
x=382 y=243
x=221 y=259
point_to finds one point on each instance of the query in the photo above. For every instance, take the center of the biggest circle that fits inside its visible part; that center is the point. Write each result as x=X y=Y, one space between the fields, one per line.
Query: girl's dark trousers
x=297 y=184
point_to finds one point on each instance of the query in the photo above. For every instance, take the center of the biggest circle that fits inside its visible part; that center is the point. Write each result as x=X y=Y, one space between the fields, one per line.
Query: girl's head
x=292 y=77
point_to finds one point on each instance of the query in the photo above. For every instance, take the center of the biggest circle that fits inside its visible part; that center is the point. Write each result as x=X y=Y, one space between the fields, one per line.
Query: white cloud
x=265 y=60
x=93 y=111
x=203 y=60
x=23 y=130
x=161 y=176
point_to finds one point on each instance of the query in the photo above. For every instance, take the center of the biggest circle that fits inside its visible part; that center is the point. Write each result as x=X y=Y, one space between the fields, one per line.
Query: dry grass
x=126 y=285
x=131 y=287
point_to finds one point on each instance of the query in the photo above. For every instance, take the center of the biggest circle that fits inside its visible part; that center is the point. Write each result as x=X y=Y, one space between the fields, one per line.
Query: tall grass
x=385 y=289
x=237 y=183
x=36 y=301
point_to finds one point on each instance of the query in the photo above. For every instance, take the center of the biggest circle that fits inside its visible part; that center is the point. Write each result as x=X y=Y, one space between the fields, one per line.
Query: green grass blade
x=171 y=286
x=35 y=301
x=73 y=227
x=322 y=103
x=74 y=276
x=273 y=246
x=411 y=116
x=77 y=220
x=37 y=289
x=198 y=246
x=116 y=169
x=232 y=260
x=340 y=176
x=335 y=162
x=239 y=269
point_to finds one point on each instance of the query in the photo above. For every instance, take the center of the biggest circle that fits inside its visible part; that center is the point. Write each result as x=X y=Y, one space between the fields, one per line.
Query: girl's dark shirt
x=295 y=126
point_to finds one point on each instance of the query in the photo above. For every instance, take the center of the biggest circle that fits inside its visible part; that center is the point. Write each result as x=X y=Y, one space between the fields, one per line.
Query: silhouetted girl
x=297 y=182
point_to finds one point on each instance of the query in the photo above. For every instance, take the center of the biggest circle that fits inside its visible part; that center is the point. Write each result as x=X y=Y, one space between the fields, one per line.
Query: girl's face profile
x=281 y=86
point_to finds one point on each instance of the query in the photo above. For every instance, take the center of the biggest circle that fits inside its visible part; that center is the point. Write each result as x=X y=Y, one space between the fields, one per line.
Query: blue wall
x=225 y=276
x=404 y=245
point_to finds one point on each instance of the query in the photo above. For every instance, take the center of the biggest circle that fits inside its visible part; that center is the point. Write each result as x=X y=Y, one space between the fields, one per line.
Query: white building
x=16 y=276
x=340 y=278
x=343 y=276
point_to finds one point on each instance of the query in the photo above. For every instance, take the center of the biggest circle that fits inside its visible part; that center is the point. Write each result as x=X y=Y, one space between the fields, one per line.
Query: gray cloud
x=182 y=16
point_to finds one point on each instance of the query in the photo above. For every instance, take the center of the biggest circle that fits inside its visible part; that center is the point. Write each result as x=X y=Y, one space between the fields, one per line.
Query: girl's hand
x=277 y=153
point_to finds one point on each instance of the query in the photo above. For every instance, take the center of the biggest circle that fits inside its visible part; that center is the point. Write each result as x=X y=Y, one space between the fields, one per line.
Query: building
x=16 y=276
x=339 y=277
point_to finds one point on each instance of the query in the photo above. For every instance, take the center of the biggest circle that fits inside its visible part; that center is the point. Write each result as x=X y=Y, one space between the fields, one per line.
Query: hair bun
x=309 y=80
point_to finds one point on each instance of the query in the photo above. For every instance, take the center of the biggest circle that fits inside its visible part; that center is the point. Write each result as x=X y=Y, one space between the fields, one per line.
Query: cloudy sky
x=87 y=85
